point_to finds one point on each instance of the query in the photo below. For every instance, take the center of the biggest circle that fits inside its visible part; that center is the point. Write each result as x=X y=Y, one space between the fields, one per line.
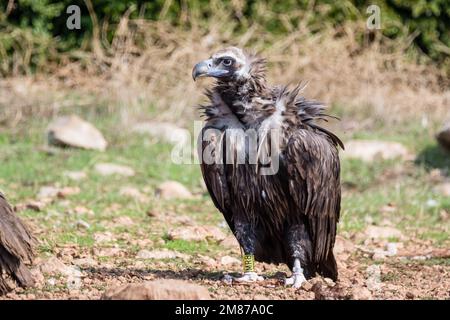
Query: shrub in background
x=32 y=32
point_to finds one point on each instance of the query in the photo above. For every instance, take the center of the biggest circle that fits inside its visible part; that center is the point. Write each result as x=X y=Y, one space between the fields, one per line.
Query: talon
x=295 y=281
x=249 y=277
x=227 y=279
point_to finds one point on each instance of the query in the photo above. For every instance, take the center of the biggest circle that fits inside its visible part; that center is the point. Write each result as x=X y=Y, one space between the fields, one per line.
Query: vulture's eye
x=227 y=62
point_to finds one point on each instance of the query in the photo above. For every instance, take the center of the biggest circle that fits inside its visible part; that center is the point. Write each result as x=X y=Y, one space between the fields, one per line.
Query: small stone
x=207 y=261
x=153 y=213
x=101 y=237
x=36 y=205
x=368 y=219
x=343 y=245
x=379 y=254
x=161 y=254
x=444 y=215
x=173 y=190
x=106 y=169
x=389 y=208
x=133 y=193
x=444 y=189
x=83 y=224
x=68 y=191
x=373 y=280
x=230 y=242
x=391 y=248
x=73 y=283
x=124 y=221
x=47 y=192
x=54 y=266
x=163 y=131
x=196 y=233
x=361 y=294
x=371 y=150
x=75 y=175
x=80 y=210
x=84 y=262
x=329 y=282
x=432 y=203
x=376 y=232
x=410 y=295
x=307 y=286
x=107 y=252
x=38 y=277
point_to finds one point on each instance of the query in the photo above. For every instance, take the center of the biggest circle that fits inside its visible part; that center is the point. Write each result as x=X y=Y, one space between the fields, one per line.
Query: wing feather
x=16 y=246
x=214 y=176
x=313 y=168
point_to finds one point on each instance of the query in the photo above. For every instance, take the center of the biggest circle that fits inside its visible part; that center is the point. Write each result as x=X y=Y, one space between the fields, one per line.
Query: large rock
x=173 y=190
x=165 y=289
x=443 y=136
x=166 y=132
x=72 y=131
x=370 y=150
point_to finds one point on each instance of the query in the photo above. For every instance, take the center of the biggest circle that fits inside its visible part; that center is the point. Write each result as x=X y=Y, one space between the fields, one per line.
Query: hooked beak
x=205 y=69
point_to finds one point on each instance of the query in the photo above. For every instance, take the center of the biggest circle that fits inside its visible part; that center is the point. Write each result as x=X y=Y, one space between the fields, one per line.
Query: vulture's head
x=229 y=64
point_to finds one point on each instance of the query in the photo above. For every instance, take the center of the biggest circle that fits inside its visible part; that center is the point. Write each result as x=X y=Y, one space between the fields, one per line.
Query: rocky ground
x=413 y=272
x=128 y=215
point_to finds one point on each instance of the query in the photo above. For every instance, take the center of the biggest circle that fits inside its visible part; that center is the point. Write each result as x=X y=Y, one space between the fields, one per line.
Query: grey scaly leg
x=297 y=278
x=300 y=250
x=246 y=238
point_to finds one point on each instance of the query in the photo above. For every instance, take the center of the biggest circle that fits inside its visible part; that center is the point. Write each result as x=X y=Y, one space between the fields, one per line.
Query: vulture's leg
x=246 y=237
x=300 y=250
x=297 y=278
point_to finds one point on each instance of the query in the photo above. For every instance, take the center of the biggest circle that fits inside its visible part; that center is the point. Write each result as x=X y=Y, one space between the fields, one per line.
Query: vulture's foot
x=298 y=277
x=249 y=277
x=296 y=280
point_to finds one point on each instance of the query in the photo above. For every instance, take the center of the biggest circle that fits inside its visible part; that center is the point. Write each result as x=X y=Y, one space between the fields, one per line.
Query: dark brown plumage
x=292 y=214
x=16 y=248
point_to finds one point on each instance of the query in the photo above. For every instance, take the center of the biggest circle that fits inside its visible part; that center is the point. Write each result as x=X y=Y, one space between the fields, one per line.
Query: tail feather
x=328 y=268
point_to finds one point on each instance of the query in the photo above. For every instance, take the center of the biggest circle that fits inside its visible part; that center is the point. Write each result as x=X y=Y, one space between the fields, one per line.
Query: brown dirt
x=409 y=275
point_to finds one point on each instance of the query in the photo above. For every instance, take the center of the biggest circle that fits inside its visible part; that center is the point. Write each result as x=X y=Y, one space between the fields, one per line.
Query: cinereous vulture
x=16 y=248
x=269 y=167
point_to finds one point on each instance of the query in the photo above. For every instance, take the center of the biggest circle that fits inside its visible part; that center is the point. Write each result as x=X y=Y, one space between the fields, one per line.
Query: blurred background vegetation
x=35 y=30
